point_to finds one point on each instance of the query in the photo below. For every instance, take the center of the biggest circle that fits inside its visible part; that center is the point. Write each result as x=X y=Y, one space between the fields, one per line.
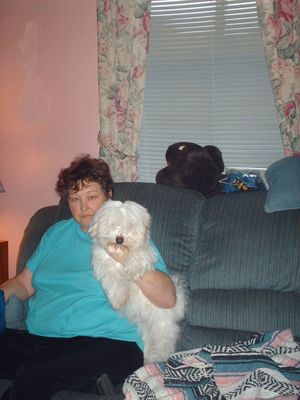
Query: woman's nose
x=83 y=205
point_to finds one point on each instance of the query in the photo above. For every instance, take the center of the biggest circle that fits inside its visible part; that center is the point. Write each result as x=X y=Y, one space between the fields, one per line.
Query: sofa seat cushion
x=198 y=336
x=243 y=247
x=72 y=395
x=248 y=310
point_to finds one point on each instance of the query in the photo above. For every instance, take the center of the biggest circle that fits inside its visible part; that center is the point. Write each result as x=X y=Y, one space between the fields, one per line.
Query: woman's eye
x=92 y=197
x=73 y=199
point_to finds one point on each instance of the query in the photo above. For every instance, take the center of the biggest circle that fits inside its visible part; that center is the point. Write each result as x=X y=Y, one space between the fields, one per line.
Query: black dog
x=194 y=167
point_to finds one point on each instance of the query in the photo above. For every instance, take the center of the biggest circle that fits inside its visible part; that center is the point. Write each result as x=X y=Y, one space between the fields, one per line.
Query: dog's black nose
x=119 y=239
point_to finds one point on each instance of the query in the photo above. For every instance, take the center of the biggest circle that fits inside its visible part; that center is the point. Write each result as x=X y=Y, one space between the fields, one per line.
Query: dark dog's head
x=192 y=166
x=179 y=151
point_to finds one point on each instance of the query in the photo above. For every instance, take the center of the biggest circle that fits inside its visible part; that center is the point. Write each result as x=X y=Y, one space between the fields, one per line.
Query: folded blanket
x=147 y=384
x=2 y=312
x=267 y=366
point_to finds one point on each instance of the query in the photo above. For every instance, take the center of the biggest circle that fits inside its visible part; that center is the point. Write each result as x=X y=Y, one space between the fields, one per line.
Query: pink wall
x=48 y=102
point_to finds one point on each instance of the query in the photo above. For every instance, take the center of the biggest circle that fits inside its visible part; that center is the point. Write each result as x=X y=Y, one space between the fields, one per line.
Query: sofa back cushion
x=176 y=216
x=242 y=247
x=41 y=220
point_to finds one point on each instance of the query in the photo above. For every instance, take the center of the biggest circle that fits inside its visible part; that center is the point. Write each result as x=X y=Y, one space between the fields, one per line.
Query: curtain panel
x=279 y=21
x=123 y=41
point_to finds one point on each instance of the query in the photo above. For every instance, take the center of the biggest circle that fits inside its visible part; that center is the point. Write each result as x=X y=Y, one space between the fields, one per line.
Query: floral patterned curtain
x=123 y=40
x=279 y=21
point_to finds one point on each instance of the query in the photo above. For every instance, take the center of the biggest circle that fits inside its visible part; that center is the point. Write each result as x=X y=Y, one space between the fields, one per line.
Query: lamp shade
x=2 y=190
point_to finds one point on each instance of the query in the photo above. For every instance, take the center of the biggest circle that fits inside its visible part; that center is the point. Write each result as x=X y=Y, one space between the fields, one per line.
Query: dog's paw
x=117 y=298
x=135 y=275
x=118 y=306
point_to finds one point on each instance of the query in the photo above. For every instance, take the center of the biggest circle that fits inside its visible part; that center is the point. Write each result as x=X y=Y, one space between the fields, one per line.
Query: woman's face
x=85 y=202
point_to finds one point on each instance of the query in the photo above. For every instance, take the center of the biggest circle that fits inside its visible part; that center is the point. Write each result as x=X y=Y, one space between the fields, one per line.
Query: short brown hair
x=82 y=170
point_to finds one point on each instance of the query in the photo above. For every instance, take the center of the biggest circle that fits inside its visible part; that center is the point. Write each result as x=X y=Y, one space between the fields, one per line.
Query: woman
x=74 y=335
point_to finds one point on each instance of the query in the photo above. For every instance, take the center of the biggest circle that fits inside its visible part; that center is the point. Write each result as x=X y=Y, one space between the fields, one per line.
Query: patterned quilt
x=267 y=366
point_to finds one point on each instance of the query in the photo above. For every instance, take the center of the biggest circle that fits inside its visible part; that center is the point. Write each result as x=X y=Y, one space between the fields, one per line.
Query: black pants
x=41 y=366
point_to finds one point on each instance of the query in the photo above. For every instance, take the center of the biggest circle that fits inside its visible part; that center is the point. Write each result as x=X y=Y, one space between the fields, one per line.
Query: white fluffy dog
x=122 y=230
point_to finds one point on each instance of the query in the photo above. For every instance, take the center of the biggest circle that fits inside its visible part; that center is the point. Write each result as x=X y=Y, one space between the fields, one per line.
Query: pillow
x=283 y=178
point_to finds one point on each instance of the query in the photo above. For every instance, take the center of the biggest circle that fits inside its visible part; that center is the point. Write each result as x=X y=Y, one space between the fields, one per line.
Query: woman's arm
x=159 y=288
x=20 y=286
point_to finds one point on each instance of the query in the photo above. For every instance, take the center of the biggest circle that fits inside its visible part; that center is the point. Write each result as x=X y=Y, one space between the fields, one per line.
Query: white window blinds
x=207 y=82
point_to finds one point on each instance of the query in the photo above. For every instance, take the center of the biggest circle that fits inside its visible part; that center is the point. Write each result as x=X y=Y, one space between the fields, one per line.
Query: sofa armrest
x=37 y=226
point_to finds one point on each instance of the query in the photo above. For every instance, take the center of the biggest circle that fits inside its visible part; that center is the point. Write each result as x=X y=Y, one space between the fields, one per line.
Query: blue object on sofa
x=15 y=313
x=241 y=263
x=238 y=181
x=2 y=312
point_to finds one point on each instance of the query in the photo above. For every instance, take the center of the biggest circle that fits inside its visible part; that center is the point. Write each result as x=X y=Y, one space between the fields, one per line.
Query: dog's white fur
x=123 y=229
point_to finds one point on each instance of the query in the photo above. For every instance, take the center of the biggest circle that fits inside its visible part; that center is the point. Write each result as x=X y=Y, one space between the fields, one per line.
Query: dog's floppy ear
x=139 y=212
x=147 y=220
x=92 y=231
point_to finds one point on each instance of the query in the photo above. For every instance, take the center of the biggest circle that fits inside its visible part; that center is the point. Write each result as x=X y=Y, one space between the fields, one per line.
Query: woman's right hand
x=20 y=286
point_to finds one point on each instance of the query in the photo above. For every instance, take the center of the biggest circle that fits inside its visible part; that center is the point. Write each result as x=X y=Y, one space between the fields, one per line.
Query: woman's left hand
x=159 y=288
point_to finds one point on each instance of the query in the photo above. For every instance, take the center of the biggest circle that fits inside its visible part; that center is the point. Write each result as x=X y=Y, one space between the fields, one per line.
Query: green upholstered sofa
x=241 y=263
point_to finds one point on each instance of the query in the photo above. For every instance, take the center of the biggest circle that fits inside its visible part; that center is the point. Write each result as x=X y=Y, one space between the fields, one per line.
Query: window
x=207 y=82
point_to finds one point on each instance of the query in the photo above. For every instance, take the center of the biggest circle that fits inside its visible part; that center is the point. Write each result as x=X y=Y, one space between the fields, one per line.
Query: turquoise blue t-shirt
x=69 y=301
